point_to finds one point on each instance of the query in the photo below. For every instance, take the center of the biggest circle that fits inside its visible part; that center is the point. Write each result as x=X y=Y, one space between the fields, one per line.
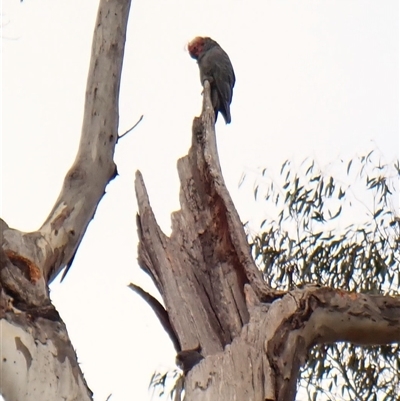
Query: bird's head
x=199 y=45
x=196 y=47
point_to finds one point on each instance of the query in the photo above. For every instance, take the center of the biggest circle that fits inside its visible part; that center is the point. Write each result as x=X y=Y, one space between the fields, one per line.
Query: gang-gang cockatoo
x=215 y=67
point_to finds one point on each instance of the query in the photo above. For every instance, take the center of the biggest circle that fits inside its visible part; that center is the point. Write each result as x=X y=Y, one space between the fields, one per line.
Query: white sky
x=314 y=78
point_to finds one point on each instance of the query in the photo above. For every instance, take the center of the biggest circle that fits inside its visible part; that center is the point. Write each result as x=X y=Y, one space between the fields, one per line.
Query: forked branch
x=53 y=246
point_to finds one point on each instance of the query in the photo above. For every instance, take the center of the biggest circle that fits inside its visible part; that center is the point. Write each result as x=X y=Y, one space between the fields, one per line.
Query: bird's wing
x=223 y=75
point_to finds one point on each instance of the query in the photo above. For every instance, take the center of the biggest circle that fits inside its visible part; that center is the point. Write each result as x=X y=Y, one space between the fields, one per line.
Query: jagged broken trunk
x=201 y=269
x=207 y=278
x=235 y=337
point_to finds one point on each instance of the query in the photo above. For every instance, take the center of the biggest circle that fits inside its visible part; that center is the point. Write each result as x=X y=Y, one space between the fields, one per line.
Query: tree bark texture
x=38 y=361
x=251 y=340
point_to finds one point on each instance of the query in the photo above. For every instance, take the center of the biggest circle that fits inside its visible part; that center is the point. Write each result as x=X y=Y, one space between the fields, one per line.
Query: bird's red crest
x=195 y=47
x=216 y=68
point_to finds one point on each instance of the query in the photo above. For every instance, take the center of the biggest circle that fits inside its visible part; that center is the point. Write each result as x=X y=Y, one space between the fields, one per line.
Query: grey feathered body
x=216 y=67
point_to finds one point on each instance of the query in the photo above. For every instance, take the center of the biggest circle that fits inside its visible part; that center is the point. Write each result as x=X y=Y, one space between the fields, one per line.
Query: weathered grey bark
x=38 y=361
x=53 y=246
x=253 y=340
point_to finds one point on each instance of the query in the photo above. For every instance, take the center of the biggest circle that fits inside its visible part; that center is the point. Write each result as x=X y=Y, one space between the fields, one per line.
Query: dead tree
x=236 y=338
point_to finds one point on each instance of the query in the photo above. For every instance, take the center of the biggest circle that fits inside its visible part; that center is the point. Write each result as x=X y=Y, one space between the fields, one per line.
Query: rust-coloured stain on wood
x=26 y=265
x=352 y=295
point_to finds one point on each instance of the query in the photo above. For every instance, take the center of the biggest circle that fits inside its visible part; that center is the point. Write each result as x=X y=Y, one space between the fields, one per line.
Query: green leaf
x=337 y=213
x=310 y=169
x=284 y=165
x=349 y=166
x=255 y=192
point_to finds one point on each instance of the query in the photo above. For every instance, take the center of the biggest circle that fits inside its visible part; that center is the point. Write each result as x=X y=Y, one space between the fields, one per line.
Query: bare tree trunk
x=236 y=338
x=38 y=361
